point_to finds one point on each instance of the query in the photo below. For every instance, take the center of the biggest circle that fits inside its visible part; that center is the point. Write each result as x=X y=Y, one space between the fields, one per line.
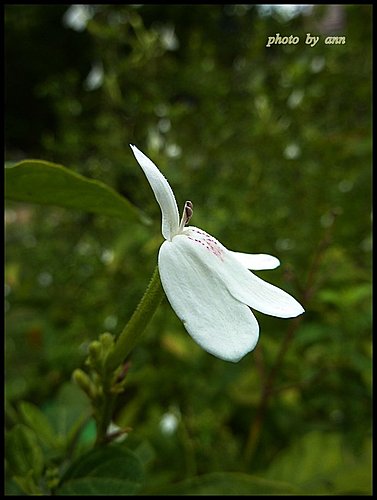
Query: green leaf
x=110 y=470
x=319 y=463
x=27 y=483
x=67 y=409
x=98 y=486
x=23 y=452
x=39 y=423
x=355 y=478
x=46 y=183
x=309 y=462
x=11 y=488
x=230 y=483
x=69 y=416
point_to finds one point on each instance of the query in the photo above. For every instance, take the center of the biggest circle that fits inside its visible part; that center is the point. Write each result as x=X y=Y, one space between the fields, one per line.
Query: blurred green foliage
x=273 y=147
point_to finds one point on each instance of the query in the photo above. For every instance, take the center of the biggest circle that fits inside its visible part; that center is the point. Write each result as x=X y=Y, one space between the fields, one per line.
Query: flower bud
x=84 y=382
x=107 y=341
x=95 y=349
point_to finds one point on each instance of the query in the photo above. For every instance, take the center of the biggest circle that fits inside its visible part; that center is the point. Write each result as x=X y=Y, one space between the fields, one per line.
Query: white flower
x=210 y=287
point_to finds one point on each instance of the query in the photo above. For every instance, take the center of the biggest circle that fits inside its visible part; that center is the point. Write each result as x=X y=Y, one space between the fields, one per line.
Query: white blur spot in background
x=77 y=16
x=169 y=423
x=317 y=64
x=173 y=151
x=295 y=98
x=110 y=322
x=168 y=38
x=45 y=279
x=107 y=256
x=94 y=80
x=284 y=11
x=345 y=186
x=292 y=151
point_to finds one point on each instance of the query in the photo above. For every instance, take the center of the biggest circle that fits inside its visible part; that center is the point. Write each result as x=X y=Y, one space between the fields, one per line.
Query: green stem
x=139 y=320
x=105 y=415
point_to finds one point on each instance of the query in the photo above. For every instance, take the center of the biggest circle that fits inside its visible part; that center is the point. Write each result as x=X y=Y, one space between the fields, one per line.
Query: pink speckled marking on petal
x=207 y=241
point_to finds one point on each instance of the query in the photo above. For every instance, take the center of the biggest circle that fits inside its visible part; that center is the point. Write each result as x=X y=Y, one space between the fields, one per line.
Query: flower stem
x=136 y=325
x=105 y=414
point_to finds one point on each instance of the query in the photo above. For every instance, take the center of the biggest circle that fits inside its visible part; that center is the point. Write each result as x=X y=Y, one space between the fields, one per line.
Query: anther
x=188 y=210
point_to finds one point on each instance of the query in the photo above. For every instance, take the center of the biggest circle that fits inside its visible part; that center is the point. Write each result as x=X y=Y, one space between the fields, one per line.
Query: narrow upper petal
x=256 y=262
x=163 y=193
x=241 y=283
x=219 y=323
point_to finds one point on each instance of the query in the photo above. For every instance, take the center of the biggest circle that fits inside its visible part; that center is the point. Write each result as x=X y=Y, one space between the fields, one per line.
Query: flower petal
x=256 y=262
x=264 y=297
x=163 y=193
x=219 y=323
x=241 y=283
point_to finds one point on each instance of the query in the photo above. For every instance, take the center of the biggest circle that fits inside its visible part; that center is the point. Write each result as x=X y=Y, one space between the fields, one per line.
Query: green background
x=273 y=147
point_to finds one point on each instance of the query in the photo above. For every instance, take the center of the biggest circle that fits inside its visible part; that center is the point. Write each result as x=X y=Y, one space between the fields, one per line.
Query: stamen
x=188 y=211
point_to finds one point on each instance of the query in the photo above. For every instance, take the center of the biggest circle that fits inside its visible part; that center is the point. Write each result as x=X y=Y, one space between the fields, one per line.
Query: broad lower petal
x=163 y=193
x=256 y=262
x=241 y=283
x=218 y=322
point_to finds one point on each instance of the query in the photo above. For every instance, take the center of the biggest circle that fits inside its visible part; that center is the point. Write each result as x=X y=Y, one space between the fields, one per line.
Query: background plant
x=274 y=147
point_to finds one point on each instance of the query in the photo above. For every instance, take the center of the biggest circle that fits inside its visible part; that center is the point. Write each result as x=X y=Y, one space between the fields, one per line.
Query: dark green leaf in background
x=69 y=415
x=113 y=469
x=320 y=463
x=24 y=457
x=231 y=483
x=46 y=183
x=39 y=423
x=22 y=451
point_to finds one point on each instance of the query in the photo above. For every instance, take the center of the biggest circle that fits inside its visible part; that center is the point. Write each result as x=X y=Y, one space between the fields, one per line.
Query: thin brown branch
x=269 y=381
